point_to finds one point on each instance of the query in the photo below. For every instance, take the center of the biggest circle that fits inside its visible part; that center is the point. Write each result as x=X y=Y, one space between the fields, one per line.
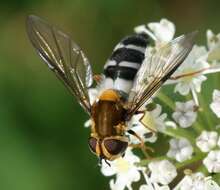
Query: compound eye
x=92 y=144
x=114 y=146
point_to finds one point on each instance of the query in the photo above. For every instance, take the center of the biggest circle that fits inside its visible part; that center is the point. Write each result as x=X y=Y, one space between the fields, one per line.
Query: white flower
x=144 y=124
x=162 y=172
x=152 y=186
x=213 y=42
x=180 y=149
x=212 y=161
x=197 y=181
x=191 y=73
x=164 y=30
x=171 y=124
x=196 y=61
x=211 y=185
x=185 y=113
x=207 y=140
x=161 y=32
x=193 y=181
x=215 y=105
x=93 y=94
x=125 y=170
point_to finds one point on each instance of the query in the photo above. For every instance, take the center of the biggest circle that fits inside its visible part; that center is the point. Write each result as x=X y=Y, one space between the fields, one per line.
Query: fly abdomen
x=124 y=62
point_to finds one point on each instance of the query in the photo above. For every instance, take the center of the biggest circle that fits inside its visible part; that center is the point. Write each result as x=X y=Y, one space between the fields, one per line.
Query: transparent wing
x=157 y=68
x=63 y=56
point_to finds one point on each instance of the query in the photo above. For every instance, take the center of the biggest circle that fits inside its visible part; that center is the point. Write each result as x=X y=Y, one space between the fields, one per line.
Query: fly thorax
x=107 y=114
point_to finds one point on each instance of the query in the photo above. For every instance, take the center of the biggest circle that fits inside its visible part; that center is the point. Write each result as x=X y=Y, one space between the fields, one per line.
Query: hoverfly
x=131 y=78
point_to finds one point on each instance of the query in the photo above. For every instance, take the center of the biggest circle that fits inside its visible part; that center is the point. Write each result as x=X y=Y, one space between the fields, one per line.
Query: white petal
x=215 y=105
x=197 y=82
x=185 y=114
x=212 y=161
x=117 y=185
x=162 y=171
x=146 y=187
x=164 y=31
x=93 y=93
x=88 y=123
x=207 y=140
x=107 y=170
x=183 y=88
x=180 y=149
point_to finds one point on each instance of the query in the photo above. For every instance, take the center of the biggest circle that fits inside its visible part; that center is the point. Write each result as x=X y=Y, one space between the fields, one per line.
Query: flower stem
x=196 y=158
x=202 y=113
x=216 y=177
x=179 y=133
x=166 y=100
x=198 y=127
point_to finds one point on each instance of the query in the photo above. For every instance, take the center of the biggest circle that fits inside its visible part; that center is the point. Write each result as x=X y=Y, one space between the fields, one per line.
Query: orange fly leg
x=141 y=145
x=120 y=128
x=97 y=78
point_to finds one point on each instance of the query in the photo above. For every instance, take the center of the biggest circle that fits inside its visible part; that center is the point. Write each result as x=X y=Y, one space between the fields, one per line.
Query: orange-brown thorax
x=107 y=113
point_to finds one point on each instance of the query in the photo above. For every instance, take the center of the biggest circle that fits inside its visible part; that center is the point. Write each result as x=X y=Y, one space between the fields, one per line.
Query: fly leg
x=97 y=78
x=139 y=112
x=141 y=145
x=120 y=128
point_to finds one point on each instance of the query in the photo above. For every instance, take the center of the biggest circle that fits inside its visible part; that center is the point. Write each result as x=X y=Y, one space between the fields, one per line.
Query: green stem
x=198 y=128
x=216 y=178
x=201 y=114
x=203 y=170
x=166 y=100
x=180 y=133
x=196 y=158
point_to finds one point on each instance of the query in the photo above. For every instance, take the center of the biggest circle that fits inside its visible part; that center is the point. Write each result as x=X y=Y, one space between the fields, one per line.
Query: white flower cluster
x=125 y=170
x=180 y=149
x=162 y=170
x=201 y=60
x=197 y=181
x=207 y=141
x=160 y=174
x=185 y=114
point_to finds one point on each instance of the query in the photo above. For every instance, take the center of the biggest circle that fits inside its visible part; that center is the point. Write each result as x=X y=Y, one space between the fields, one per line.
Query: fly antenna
x=107 y=163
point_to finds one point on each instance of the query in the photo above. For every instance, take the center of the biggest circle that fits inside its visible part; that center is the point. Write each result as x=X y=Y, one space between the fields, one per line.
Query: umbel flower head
x=186 y=143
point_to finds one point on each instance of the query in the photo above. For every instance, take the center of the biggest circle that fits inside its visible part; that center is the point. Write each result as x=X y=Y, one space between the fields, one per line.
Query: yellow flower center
x=122 y=165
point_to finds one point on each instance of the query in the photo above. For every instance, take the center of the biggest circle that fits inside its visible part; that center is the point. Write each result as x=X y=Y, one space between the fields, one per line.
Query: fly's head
x=108 y=148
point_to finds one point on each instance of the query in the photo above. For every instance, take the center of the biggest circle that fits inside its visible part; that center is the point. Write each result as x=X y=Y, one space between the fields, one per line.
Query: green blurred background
x=43 y=144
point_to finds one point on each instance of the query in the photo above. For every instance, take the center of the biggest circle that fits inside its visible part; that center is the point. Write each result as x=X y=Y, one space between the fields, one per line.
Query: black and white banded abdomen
x=122 y=66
